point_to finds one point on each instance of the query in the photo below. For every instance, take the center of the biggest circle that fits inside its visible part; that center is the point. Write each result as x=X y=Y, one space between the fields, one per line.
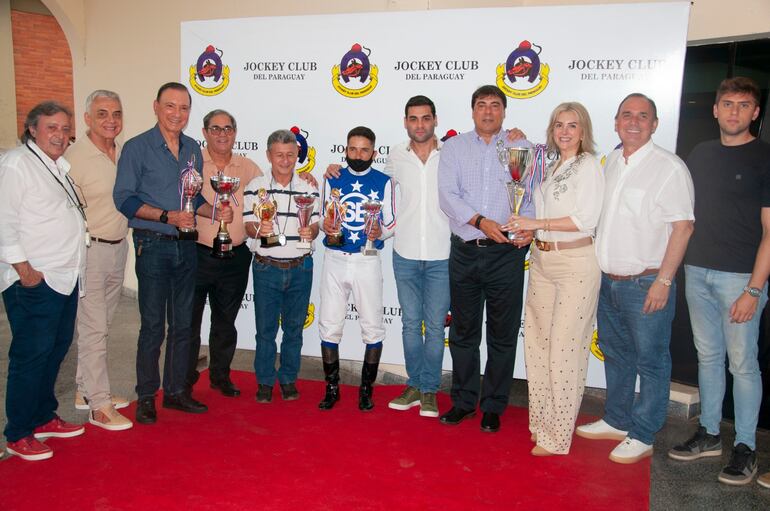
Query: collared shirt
x=241 y=167
x=40 y=223
x=94 y=174
x=642 y=198
x=148 y=173
x=472 y=180
x=575 y=189
x=423 y=230
x=285 y=222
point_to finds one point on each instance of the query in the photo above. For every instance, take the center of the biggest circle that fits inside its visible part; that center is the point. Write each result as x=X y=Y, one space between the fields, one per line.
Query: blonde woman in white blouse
x=564 y=280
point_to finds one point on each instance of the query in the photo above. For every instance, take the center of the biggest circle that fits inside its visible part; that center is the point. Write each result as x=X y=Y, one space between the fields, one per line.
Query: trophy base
x=222 y=248
x=274 y=240
x=188 y=235
x=303 y=245
x=334 y=240
x=369 y=251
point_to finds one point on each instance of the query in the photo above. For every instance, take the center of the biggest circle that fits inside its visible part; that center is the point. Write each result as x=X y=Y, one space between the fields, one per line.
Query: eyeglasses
x=216 y=130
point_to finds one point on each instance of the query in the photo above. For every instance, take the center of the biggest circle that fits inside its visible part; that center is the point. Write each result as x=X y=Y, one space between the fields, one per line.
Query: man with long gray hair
x=43 y=240
x=94 y=166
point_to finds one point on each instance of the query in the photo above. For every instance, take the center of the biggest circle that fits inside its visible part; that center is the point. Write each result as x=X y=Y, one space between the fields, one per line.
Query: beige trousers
x=105 y=265
x=562 y=295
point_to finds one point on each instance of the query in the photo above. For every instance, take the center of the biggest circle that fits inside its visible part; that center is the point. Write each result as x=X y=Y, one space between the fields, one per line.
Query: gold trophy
x=225 y=186
x=335 y=209
x=519 y=161
x=265 y=210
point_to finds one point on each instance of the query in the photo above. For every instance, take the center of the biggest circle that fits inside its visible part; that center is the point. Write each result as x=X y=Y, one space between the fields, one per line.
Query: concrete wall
x=133 y=47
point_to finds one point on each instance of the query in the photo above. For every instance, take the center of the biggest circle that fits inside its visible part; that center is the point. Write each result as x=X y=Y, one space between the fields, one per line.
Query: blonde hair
x=584 y=121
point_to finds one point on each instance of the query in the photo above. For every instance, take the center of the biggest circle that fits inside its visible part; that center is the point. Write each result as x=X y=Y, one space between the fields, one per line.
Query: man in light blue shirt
x=484 y=267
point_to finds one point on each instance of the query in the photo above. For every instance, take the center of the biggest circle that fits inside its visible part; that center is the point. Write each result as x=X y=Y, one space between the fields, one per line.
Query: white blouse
x=575 y=189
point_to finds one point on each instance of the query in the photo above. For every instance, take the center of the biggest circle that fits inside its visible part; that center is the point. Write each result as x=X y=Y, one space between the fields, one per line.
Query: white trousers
x=342 y=274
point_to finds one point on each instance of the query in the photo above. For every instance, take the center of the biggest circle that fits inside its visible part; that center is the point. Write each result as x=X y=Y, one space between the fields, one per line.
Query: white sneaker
x=110 y=419
x=630 y=451
x=600 y=430
x=81 y=403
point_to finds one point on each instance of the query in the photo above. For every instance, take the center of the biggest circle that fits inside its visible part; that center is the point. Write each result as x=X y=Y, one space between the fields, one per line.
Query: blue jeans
x=280 y=294
x=634 y=342
x=42 y=325
x=710 y=294
x=165 y=271
x=423 y=292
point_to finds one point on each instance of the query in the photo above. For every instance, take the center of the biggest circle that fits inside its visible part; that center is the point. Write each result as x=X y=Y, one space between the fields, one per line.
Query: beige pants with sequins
x=562 y=296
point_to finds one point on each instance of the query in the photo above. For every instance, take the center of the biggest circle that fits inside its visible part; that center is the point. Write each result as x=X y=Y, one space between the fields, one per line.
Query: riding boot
x=331 y=362
x=368 y=376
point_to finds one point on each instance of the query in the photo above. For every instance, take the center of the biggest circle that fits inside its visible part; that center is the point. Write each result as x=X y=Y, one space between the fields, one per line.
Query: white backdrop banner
x=322 y=75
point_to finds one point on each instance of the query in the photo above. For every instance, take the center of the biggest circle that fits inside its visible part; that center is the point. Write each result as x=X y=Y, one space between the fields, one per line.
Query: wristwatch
x=754 y=292
x=164 y=217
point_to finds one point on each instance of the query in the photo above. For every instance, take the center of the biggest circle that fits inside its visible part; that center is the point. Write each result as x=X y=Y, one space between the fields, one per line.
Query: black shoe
x=145 y=411
x=455 y=416
x=365 y=403
x=264 y=393
x=331 y=397
x=490 y=422
x=289 y=392
x=226 y=387
x=742 y=467
x=699 y=446
x=184 y=403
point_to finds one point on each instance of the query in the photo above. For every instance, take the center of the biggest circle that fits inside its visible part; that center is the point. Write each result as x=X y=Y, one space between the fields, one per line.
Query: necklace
x=282 y=231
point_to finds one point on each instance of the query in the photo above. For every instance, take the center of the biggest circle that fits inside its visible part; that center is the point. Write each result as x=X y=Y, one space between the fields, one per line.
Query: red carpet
x=292 y=456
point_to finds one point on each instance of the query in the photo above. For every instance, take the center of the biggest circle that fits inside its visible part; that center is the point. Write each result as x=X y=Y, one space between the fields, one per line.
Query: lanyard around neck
x=71 y=194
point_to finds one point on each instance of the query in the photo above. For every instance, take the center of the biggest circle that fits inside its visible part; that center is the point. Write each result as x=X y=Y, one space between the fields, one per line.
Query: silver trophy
x=519 y=162
x=190 y=183
x=372 y=209
x=225 y=186
x=305 y=203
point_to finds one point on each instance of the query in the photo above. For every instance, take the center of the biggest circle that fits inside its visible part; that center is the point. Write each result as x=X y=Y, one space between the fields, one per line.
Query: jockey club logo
x=209 y=77
x=306 y=156
x=523 y=75
x=355 y=76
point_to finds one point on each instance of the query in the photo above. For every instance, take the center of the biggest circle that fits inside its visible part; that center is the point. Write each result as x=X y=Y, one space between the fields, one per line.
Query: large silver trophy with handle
x=225 y=186
x=372 y=209
x=305 y=203
x=518 y=161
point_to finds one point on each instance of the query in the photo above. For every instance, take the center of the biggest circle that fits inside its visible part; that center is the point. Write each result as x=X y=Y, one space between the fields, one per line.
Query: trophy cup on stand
x=335 y=209
x=519 y=161
x=305 y=203
x=190 y=183
x=225 y=186
x=265 y=209
x=372 y=209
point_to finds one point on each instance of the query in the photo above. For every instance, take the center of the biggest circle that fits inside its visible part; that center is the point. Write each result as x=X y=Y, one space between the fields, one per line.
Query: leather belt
x=102 y=240
x=156 y=234
x=645 y=273
x=481 y=242
x=547 y=246
x=283 y=264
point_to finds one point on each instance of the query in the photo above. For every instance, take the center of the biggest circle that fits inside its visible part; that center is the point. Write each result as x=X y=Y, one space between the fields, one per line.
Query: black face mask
x=359 y=165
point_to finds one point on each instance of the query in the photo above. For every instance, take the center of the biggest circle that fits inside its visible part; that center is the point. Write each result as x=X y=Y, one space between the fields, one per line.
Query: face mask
x=359 y=165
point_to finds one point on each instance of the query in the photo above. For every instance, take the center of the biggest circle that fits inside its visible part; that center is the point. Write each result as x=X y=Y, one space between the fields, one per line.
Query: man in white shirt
x=420 y=256
x=42 y=259
x=641 y=239
x=283 y=274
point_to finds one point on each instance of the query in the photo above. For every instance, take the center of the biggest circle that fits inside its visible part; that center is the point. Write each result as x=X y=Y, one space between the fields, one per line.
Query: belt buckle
x=545 y=246
x=480 y=242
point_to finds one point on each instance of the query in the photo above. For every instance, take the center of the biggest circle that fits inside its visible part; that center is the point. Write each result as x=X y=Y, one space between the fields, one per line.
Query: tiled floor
x=675 y=486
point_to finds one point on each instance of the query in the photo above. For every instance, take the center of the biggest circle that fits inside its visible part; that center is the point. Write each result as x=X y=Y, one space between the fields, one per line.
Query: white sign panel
x=323 y=75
